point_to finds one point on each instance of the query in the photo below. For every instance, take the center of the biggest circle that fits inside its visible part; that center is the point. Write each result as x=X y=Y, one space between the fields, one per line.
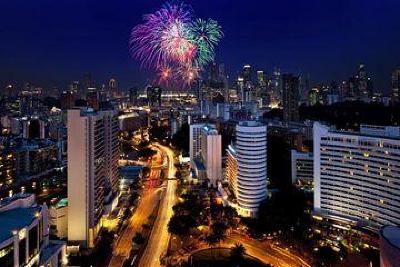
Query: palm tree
x=238 y=252
x=219 y=232
x=211 y=240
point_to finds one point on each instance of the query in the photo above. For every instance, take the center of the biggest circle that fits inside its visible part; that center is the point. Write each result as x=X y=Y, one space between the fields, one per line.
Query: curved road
x=267 y=253
x=145 y=208
x=159 y=238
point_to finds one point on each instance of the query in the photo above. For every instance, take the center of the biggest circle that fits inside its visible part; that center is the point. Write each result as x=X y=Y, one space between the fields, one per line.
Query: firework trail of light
x=188 y=73
x=175 y=44
x=165 y=74
x=206 y=34
x=148 y=40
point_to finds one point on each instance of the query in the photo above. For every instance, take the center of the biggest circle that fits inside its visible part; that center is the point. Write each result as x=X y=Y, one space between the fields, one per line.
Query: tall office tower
x=261 y=78
x=93 y=98
x=240 y=87
x=246 y=73
x=195 y=139
x=290 y=89
x=274 y=87
x=364 y=84
x=211 y=154
x=113 y=87
x=86 y=175
x=67 y=99
x=111 y=148
x=133 y=96
x=154 y=95
x=221 y=72
x=396 y=86
x=74 y=87
x=247 y=167
x=213 y=72
x=357 y=175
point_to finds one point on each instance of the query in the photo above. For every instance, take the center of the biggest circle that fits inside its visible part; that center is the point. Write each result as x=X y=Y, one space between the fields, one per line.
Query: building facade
x=357 y=175
x=290 y=99
x=86 y=175
x=211 y=154
x=302 y=166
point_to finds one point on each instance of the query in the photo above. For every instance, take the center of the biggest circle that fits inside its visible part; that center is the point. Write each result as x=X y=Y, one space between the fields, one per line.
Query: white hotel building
x=206 y=152
x=246 y=169
x=357 y=175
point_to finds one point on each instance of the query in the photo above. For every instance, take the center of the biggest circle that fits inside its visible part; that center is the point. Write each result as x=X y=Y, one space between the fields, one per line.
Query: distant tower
x=113 y=87
x=396 y=86
x=290 y=89
x=247 y=73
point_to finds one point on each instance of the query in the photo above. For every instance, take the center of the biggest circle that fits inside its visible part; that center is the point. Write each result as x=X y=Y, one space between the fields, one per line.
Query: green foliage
x=180 y=140
x=238 y=252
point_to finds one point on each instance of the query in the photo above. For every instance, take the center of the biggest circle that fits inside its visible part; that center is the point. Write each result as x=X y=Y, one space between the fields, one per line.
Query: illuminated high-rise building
x=92 y=170
x=290 y=89
x=395 y=94
x=246 y=169
x=113 y=87
x=247 y=73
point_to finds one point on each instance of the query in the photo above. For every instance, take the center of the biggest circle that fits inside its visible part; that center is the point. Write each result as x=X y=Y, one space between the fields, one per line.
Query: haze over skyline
x=53 y=43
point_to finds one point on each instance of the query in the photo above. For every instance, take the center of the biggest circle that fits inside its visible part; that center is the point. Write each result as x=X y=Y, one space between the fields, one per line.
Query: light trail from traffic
x=159 y=238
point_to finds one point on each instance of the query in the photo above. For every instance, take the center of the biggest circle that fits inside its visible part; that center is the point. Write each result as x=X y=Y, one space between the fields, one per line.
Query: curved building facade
x=250 y=185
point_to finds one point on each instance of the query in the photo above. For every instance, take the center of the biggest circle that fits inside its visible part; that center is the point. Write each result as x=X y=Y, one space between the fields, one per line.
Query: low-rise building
x=24 y=234
x=302 y=166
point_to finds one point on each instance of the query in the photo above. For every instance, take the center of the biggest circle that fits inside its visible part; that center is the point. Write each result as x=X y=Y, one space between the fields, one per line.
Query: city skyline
x=53 y=44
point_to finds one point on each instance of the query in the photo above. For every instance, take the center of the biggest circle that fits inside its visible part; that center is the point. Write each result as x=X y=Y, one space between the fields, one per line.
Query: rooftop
x=16 y=219
x=392 y=235
x=250 y=124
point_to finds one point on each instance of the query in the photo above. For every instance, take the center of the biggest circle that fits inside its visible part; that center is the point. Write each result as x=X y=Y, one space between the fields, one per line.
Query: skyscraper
x=396 y=86
x=290 y=89
x=111 y=148
x=91 y=171
x=113 y=87
x=247 y=73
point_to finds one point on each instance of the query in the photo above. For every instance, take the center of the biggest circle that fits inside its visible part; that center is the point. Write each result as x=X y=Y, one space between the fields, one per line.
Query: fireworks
x=206 y=35
x=174 y=43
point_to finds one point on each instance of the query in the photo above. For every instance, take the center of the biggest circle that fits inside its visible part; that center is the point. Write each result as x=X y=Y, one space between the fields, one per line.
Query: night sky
x=51 y=42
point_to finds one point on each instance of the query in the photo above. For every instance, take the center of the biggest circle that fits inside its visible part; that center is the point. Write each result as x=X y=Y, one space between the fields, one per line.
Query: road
x=159 y=238
x=146 y=206
x=268 y=253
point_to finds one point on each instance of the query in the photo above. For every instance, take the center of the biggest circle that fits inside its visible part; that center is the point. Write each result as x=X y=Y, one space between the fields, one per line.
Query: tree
x=238 y=252
x=180 y=225
x=211 y=240
x=180 y=140
x=218 y=230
